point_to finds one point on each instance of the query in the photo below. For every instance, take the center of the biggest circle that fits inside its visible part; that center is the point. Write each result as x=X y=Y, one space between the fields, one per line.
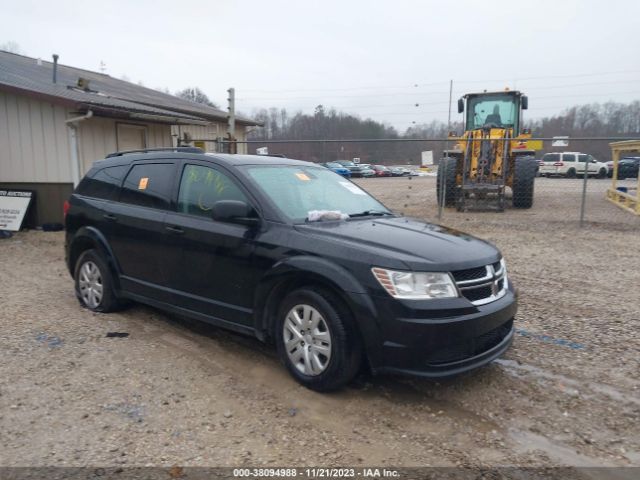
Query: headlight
x=416 y=285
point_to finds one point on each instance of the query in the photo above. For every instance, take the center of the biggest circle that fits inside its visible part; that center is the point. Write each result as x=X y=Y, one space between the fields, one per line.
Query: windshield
x=333 y=165
x=492 y=110
x=347 y=164
x=296 y=191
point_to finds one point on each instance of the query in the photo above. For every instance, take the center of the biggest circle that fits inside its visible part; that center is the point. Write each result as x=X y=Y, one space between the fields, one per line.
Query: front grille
x=470 y=347
x=479 y=293
x=469 y=274
x=482 y=285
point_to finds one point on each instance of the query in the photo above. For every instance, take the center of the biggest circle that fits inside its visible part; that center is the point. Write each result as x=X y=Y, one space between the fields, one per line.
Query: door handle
x=110 y=217
x=176 y=230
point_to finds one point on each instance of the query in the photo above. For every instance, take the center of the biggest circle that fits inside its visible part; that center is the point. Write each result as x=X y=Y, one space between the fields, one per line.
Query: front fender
x=294 y=272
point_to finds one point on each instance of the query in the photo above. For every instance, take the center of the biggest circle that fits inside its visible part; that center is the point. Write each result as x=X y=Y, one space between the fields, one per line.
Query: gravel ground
x=175 y=392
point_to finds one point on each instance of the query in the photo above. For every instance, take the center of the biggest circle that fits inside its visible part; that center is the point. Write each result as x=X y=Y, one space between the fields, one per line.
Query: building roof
x=104 y=94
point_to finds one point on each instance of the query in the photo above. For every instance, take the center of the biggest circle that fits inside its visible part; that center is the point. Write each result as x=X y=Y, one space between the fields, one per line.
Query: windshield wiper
x=370 y=213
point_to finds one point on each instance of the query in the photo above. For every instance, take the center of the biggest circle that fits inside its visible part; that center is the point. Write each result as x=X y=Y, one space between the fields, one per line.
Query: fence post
x=584 y=191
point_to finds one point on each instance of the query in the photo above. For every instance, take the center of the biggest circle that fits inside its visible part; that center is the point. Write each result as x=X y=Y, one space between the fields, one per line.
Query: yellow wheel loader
x=491 y=155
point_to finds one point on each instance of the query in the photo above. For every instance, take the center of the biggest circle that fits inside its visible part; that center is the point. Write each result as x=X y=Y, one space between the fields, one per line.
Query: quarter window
x=104 y=183
x=149 y=185
x=201 y=187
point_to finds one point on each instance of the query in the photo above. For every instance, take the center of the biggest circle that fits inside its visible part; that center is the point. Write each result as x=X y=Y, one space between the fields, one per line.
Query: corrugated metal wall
x=97 y=137
x=34 y=144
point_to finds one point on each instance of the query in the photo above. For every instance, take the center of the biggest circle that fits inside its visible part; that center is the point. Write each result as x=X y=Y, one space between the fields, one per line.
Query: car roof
x=173 y=154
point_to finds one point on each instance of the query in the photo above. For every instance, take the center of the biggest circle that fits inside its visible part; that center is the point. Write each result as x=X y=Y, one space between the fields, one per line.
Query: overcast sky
x=376 y=59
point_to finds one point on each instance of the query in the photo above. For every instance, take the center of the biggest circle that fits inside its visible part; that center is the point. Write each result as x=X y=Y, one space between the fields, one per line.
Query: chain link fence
x=559 y=198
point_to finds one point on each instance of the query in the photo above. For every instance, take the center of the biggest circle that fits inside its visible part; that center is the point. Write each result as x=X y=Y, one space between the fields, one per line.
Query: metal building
x=56 y=120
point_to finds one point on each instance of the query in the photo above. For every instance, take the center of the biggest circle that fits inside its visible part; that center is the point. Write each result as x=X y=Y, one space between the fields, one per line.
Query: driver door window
x=201 y=187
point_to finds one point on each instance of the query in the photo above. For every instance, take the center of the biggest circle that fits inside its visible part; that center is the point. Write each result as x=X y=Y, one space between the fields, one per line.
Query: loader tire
x=524 y=176
x=447 y=178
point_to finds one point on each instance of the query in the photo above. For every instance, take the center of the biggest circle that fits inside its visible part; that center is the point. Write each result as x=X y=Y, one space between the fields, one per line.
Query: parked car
x=628 y=167
x=227 y=239
x=356 y=170
x=337 y=168
x=400 y=171
x=570 y=165
x=381 y=171
x=367 y=170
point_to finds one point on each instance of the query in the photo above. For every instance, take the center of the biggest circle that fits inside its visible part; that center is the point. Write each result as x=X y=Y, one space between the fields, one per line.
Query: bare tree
x=194 y=94
x=11 y=47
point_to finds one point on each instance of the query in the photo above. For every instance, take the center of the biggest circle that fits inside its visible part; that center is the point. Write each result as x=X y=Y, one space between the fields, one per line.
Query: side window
x=201 y=187
x=583 y=158
x=104 y=183
x=568 y=157
x=149 y=185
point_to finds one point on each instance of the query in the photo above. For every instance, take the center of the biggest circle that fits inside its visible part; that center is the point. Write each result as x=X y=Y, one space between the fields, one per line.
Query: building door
x=131 y=137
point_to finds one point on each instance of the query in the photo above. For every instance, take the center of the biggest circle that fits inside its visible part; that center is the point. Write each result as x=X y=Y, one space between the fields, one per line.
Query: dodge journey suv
x=292 y=253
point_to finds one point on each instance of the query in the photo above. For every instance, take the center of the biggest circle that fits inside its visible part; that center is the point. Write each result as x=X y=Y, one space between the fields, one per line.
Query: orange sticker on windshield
x=143 y=183
x=303 y=177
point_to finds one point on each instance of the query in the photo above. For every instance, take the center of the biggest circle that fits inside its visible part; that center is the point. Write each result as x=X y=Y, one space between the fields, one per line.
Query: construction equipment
x=491 y=155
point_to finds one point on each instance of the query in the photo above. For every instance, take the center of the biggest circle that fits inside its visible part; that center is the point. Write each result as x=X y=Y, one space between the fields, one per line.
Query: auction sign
x=13 y=207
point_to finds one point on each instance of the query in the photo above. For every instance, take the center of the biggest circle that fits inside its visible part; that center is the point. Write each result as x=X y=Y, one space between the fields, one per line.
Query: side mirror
x=524 y=102
x=460 y=105
x=233 y=211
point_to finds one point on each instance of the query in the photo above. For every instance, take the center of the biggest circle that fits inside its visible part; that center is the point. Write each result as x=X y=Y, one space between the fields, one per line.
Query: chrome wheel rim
x=307 y=340
x=90 y=283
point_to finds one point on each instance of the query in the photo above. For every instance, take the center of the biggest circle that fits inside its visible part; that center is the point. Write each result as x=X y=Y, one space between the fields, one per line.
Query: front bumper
x=439 y=342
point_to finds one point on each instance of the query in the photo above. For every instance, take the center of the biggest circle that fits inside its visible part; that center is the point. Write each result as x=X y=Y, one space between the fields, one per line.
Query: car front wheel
x=317 y=340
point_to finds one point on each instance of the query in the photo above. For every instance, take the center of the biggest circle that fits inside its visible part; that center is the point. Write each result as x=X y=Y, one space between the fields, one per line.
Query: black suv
x=292 y=253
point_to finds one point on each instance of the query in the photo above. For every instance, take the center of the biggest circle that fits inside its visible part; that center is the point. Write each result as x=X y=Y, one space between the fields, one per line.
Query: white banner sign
x=262 y=151
x=427 y=158
x=560 y=142
x=13 y=207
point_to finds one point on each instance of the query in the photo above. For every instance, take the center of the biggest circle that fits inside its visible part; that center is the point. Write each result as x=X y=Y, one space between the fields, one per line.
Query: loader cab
x=493 y=110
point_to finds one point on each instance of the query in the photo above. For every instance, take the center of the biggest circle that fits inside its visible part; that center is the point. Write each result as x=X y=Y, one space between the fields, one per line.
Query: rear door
x=138 y=237
x=213 y=272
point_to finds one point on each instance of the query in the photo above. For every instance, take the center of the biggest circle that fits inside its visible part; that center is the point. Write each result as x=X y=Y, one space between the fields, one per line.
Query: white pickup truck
x=571 y=165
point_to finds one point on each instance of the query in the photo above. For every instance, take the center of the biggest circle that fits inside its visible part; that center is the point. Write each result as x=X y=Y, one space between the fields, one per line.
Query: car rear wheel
x=94 y=283
x=571 y=173
x=317 y=340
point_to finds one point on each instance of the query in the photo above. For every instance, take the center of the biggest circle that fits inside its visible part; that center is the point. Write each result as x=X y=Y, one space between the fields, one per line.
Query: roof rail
x=164 y=149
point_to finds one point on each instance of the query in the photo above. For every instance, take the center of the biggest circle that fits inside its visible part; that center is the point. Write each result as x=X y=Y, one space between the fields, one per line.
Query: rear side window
x=104 y=183
x=551 y=157
x=149 y=185
x=568 y=157
x=201 y=187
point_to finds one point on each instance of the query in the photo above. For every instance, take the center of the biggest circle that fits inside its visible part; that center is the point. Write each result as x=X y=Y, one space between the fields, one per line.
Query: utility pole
x=231 y=120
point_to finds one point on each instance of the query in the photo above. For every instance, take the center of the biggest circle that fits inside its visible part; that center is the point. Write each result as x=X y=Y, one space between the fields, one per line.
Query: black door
x=138 y=236
x=212 y=271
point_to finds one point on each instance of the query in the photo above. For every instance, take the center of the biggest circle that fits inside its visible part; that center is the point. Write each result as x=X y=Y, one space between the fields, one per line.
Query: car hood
x=415 y=244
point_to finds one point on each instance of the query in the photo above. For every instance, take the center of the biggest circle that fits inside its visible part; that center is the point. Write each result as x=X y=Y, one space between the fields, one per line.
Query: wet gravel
x=175 y=392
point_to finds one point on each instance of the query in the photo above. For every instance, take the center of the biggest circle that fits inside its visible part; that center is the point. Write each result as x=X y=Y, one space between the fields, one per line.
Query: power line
x=442 y=82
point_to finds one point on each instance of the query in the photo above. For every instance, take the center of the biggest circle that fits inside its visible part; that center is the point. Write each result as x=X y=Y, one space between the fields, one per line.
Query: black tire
x=602 y=173
x=448 y=167
x=346 y=348
x=108 y=300
x=571 y=173
x=524 y=177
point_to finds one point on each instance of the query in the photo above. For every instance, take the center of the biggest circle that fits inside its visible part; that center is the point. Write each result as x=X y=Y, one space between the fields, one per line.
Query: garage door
x=131 y=137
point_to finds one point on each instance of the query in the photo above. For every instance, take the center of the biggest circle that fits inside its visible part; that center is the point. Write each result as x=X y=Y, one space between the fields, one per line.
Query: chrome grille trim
x=491 y=281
